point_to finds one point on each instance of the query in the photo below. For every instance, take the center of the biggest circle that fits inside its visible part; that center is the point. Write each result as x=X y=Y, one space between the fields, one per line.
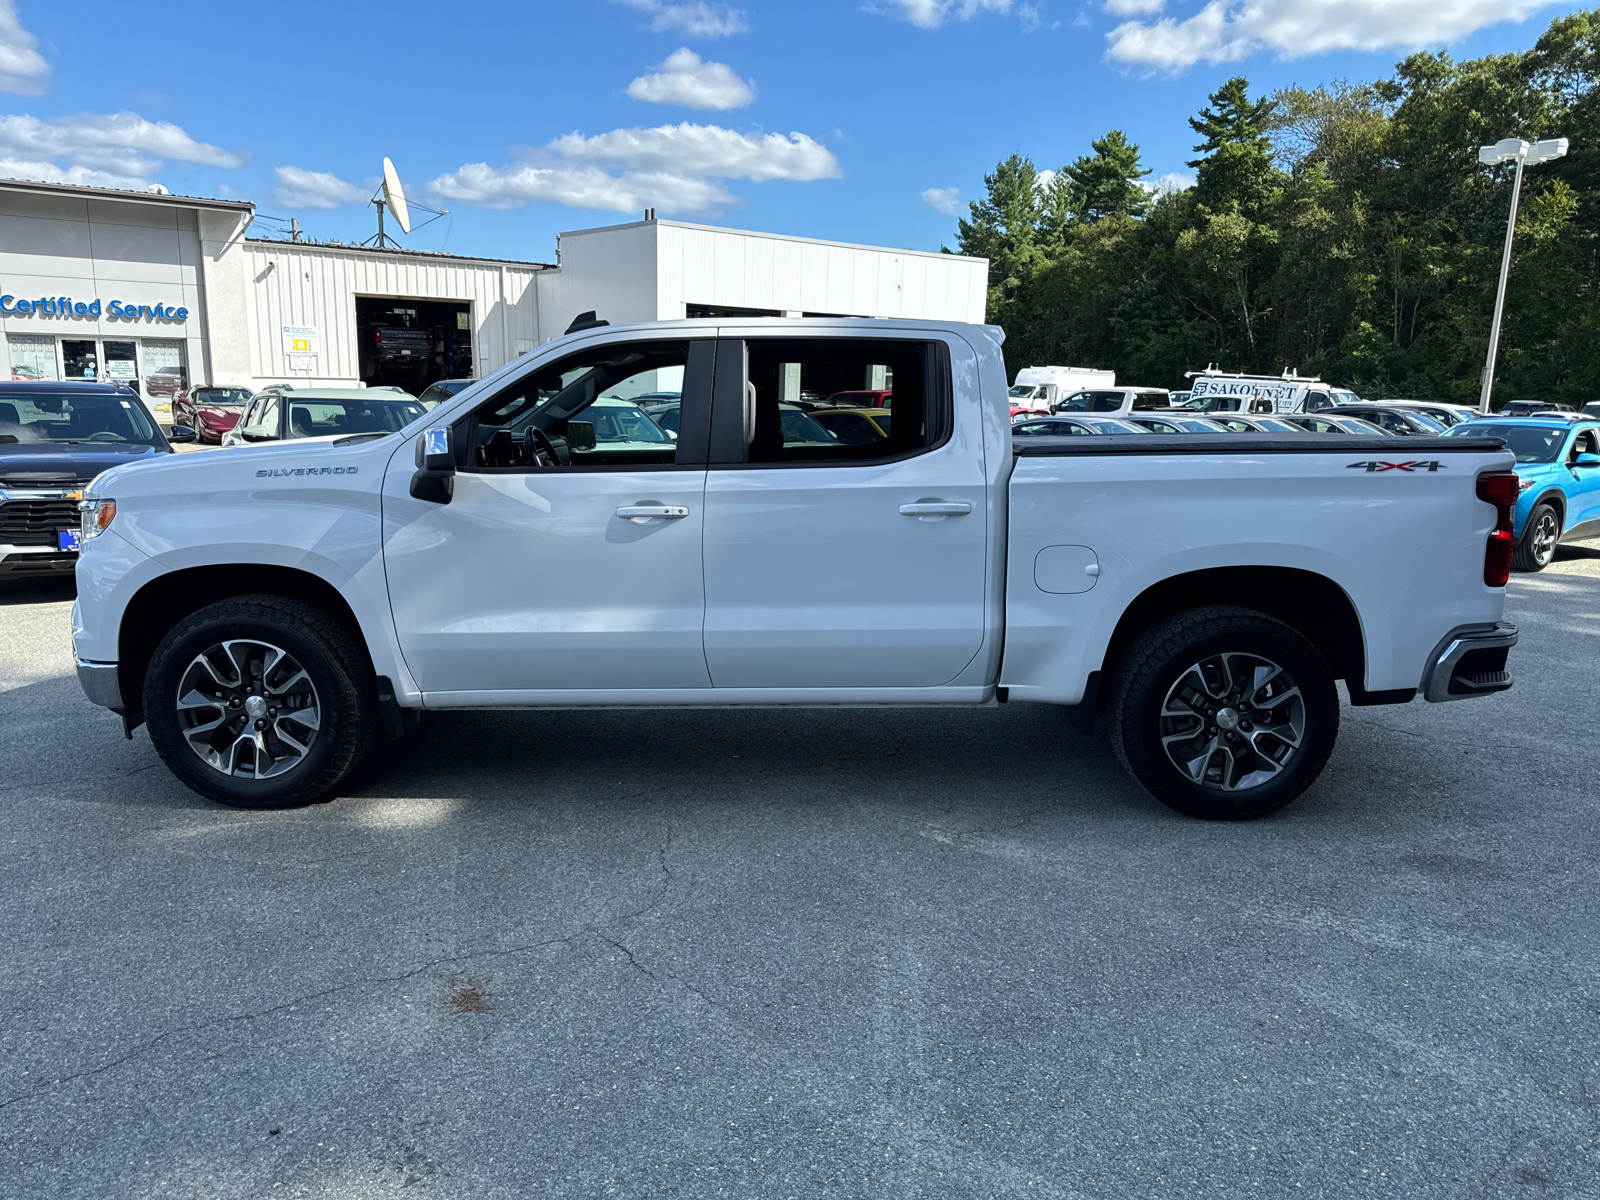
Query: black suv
x=55 y=438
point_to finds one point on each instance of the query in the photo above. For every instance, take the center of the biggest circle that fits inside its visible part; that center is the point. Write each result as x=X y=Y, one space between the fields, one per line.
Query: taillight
x=1499 y=488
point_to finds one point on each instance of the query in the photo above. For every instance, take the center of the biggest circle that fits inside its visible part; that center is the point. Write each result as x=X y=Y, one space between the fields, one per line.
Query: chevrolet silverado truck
x=271 y=612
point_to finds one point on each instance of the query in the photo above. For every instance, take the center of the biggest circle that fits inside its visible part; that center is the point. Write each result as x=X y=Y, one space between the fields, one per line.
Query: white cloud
x=314 y=189
x=708 y=150
x=1172 y=181
x=930 y=14
x=1226 y=31
x=677 y=168
x=101 y=149
x=22 y=68
x=945 y=200
x=696 y=18
x=1134 y=8
x=687 y=80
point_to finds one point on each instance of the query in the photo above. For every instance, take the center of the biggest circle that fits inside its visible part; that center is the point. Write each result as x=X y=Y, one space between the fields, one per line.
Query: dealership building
x=161 y=291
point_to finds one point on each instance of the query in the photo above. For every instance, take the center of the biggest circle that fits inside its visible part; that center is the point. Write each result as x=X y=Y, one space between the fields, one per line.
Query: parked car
x=855 y=426
x=1323 y=423
x=1591 y=409
x=1558 y=473
x=1387 y=418
x=1226 y=391
x=269 y=645
x=1174 y=423
x=865 y=398
x=1027 y=409
x=1442 y=411
x=1234 y=423
x=1073 y=426
x=442 y=390
x=1040 y=389
x=1527 y=408
x=1114 y=401
x=166 y=381
x=210 y=411
x=283 y=414
x=54 y=439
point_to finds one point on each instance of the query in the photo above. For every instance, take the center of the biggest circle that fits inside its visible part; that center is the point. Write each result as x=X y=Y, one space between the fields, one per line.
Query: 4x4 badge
x=1376 y=465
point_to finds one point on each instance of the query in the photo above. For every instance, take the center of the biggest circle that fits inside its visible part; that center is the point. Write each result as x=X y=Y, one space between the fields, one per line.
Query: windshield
x=799 y=426
x=221 y=397
x=1427 y=422
x=1530 y=443
x=69 y=417
x=322 y=418
x=1027 y=391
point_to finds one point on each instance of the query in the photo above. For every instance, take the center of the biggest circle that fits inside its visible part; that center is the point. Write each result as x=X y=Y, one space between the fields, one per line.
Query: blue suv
x=1558 y=465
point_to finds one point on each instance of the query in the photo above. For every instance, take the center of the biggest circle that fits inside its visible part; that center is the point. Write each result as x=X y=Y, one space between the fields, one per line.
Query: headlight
x=95 y=516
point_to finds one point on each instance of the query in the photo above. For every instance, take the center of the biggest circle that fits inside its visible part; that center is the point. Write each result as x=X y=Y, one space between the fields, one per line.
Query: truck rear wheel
x=1224 y=713
x=260 y=701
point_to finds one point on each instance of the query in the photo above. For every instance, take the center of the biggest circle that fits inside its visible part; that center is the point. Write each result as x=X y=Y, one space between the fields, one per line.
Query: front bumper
x=1470 y=661
x=99 y=682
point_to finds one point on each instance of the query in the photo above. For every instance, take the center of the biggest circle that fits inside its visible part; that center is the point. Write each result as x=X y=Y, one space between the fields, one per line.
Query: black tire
x=343 y=695
x=1159 y=670
x=1536 y=548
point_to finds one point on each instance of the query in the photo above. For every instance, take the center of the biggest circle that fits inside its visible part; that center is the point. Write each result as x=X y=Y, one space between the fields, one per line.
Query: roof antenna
x=585 y=320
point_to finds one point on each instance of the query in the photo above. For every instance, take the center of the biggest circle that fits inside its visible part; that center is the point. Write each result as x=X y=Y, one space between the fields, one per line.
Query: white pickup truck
x=538 y=541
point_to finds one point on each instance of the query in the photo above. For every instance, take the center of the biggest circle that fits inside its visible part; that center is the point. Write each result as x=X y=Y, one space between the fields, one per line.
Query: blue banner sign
x=65 y=306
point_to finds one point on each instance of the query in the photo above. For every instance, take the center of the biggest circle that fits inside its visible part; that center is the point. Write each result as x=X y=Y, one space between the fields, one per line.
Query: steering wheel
x=541 y=450
x=105 y=435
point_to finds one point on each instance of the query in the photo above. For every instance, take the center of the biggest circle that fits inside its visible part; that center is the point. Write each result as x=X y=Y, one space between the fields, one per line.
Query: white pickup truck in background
x=271 y=611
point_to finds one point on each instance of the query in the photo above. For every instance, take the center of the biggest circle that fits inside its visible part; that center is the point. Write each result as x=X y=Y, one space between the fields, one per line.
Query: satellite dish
x=395 y=196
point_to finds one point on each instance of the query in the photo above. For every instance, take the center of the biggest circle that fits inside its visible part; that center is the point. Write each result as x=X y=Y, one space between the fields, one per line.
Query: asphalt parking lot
x=769 y=954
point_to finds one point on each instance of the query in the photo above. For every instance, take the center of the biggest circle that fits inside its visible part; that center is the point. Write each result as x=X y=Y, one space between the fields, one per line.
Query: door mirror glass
x=433 y=450
x=580 y=435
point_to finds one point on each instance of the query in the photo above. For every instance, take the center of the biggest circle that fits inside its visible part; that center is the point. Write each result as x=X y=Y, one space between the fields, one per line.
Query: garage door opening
x=410 y=344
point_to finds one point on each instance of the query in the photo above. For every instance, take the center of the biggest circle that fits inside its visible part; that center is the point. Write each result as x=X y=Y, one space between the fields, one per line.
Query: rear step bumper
x=1470 y=661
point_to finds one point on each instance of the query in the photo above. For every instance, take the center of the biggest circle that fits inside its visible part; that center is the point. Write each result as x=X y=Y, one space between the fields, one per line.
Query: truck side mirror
x=580 y=435
x=436 y=467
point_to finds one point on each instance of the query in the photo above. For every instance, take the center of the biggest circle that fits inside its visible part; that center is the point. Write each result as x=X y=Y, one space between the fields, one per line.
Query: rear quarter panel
x=1406 y=547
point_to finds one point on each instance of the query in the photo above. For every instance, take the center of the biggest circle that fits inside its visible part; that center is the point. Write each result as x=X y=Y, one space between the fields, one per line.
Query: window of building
x=33 y=357
x=81 y=358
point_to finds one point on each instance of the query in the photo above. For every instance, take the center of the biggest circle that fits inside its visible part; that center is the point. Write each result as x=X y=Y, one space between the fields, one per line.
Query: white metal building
x=160 y=291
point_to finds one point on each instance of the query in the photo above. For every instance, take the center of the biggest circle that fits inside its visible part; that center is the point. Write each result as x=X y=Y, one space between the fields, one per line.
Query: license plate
x=70 y=539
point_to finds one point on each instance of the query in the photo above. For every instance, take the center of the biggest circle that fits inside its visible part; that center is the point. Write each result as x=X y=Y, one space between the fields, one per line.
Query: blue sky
x=827 y=119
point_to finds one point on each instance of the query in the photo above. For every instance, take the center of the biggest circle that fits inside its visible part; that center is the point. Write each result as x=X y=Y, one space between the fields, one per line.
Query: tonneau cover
x=1419 y=447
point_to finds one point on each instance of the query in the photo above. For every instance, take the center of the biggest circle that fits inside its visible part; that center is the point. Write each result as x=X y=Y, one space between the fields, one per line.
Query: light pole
x=1506 y=150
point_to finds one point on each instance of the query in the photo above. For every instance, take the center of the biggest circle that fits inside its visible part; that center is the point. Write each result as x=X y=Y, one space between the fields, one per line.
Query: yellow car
x=854 y=426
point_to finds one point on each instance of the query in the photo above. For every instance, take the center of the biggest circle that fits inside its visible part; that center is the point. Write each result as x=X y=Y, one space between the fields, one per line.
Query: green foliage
x=1346 y=229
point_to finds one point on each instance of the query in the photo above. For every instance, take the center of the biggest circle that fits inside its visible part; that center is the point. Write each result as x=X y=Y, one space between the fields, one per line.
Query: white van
x=1250 y=394
x=1045 y=387
x=1115 y=401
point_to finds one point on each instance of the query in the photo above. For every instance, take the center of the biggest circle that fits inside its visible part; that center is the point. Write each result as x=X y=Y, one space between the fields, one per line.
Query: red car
x=872 y=398
x=211 y=411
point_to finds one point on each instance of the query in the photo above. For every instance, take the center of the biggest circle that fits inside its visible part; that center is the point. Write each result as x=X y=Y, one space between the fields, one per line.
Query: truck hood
x=45 y=463
x=242 y=468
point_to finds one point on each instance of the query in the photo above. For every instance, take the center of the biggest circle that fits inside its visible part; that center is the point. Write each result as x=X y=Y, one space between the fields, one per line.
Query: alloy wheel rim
x=1232 y=722
x=1544 y=539
x=248 y=709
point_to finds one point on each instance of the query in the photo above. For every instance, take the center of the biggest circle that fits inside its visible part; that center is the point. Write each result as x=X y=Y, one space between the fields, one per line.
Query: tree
x=1236 y=170
x=1106 y=183
x=1005 y=226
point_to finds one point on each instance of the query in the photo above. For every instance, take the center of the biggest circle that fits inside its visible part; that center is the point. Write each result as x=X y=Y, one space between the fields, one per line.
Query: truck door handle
x=642 y=512
x=937 y=508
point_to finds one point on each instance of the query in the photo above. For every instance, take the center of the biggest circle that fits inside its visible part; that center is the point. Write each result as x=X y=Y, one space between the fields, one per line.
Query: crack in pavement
x=378 y=981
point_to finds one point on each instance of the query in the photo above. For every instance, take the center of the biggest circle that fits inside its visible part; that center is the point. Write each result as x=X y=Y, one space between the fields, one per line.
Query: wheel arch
x=1556 y=499
x=167 y=599
x=1313 y=605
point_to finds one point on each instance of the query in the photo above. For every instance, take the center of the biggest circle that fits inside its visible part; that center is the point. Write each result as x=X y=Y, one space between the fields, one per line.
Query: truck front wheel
x=260 y=701
x=1224 y=713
